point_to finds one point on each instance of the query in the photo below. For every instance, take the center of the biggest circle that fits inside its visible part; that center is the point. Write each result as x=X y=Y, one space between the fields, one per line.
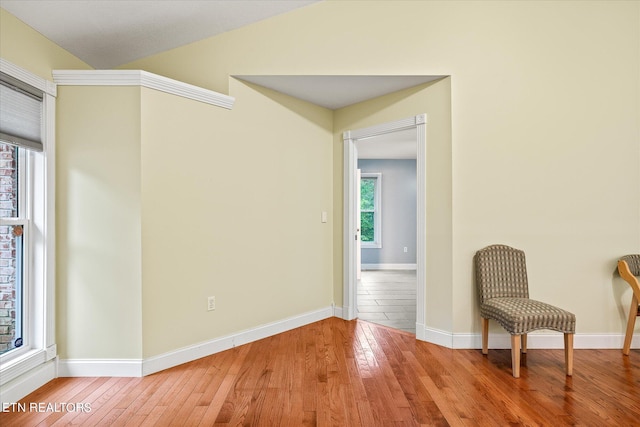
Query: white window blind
x=20 y=114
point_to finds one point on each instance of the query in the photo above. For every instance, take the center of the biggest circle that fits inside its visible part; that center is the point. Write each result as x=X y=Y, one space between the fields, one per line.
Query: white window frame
x=25 y=181
x=26 y=368
x=377 y=211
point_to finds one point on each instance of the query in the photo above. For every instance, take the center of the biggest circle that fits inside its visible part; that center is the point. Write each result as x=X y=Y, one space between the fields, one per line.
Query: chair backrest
x=629 y=269
x=501 y=272
x=633 y=261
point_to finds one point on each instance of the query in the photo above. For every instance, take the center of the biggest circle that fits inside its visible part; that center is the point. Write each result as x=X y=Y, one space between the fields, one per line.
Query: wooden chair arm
x=625 y=273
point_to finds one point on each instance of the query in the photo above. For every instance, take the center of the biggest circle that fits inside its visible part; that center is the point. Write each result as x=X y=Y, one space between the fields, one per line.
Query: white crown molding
x=143 y=79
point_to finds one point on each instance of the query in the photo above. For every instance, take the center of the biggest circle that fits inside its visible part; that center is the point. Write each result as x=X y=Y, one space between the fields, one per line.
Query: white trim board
x=337 y=312
x=15 y=390
x=187 y=354
x=536 y=340
x=419 y=123
x=27 y=77
x=100 y=368
x=142 y=367
x=138 y=367
x=28 y=371
x=144 y=79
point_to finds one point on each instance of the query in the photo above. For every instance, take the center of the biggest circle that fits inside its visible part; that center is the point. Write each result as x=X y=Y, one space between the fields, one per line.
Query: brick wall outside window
x=8 y=208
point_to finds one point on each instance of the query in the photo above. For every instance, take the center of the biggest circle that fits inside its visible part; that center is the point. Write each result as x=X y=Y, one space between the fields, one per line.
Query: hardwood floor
x=339 y=373
x=388 y=297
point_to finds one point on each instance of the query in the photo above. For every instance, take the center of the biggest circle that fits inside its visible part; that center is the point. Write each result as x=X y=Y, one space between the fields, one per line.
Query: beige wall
x=540 y=151
x=231 y=208
x=99 y=306
x=164 y=201
x=161 y=209
x=545 y=124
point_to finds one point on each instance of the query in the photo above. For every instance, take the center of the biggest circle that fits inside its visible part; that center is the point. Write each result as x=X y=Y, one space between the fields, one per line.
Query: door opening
x=353 y=139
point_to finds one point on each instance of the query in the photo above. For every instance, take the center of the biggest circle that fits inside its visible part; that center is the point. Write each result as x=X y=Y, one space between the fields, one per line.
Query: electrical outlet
x=211 y=303
x=405 y=249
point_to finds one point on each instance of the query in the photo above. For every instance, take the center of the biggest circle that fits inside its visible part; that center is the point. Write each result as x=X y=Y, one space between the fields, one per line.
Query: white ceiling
x=337 y=91
x=106 y=34
x=394 y=145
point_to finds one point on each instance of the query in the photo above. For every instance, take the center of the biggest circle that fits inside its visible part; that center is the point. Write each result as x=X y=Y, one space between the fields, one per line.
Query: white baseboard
x=436 y=336
x=345 y=313
x=389 y=266
x=100 y=368
x=535 y=340
x=139 y=367
x=15 y=390
x=18 y=388
x=338 y=312
x=604 y=341
x=187 y=354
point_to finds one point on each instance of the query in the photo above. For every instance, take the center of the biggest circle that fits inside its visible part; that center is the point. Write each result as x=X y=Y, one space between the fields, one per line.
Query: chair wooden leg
x=631 y=323
x=515 y=355
x=524 y=343
x=568 y=353
x=485 y=336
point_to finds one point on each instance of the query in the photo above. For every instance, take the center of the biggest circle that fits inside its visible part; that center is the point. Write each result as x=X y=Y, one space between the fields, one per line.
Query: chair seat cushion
x=522 y=315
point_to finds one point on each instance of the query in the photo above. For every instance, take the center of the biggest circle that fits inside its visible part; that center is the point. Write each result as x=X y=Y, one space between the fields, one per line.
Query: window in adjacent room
x=370 y=213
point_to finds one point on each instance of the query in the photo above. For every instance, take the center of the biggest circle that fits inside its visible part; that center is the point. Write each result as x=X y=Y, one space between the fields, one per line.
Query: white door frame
x=419 y=122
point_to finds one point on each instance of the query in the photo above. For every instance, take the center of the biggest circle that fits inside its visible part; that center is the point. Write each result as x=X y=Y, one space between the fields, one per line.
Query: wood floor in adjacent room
x=339 y=373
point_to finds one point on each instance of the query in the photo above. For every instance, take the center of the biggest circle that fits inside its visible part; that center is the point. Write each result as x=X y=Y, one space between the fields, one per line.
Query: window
x=370 y=215
x=12 y=254
x=27 y=333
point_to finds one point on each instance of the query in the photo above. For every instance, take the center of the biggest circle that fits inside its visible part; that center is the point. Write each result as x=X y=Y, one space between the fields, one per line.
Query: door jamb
x=418 y=122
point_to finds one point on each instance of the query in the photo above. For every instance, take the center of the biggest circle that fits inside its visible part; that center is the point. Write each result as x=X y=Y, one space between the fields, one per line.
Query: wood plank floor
x=388 y=297
x=339 y=373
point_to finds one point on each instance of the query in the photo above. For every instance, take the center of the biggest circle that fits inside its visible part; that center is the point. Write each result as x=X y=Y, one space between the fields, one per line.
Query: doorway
x=388 y=298
x=360 y=138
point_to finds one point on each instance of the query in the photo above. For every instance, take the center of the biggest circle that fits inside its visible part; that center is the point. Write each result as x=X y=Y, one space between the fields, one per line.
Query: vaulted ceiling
x=106 y=34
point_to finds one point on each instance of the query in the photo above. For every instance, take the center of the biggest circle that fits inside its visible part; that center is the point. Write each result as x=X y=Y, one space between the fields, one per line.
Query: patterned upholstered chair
x=629 y=269
x=501 y=279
